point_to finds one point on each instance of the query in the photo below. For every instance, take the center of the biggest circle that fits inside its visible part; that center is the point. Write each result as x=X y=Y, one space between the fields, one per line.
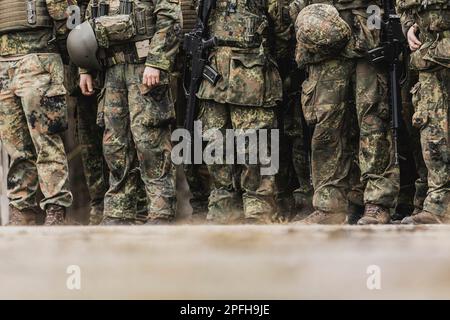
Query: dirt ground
x=230 y=262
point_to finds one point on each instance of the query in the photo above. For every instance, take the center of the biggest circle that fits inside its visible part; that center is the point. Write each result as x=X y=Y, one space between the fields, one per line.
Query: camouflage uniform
x=136 y=141
x=89 y=135
x=293 y=178
x=33 y=110
x=431 y=98
x=326 y=100
x=244 y=98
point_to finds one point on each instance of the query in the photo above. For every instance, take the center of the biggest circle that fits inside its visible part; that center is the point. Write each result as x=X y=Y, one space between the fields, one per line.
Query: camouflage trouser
x=413 y=171
x=325 y=100
x=259 y=192
x=137 y=141
x=90 y=141
x=293 y=177
x=431 y=99
x=33 y=113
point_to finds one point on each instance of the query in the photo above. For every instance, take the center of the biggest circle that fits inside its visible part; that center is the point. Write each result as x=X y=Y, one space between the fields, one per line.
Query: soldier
x=139 y=39
x=249 y=34
x=33 y=111
x=89 y=134
x=293 y=178
x=334 y=56
x=427 y=28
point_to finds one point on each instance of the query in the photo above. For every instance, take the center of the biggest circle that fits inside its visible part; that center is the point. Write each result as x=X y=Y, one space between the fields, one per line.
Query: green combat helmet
x=83 y=47
x=320 y=30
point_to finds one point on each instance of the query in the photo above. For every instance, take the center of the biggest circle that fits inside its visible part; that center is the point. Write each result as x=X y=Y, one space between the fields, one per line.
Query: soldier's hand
x=151 y=77
x=413 y=41
x=86 y=84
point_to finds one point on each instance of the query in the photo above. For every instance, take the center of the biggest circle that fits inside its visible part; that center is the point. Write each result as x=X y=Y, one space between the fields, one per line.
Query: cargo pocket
x=308 y=92
x=246 y=80
x=159 y=107
x=53 y=115
x=383 y=99
x=420 y=116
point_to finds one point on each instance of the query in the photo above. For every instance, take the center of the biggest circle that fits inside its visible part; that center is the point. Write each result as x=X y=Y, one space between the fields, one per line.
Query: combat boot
x=374 y=214
x=322 y=217
x=111 y=221
x=25 y=217
x=54 y=215
x=425 y=217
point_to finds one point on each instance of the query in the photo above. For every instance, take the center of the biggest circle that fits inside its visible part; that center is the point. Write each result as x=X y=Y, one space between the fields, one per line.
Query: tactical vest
x=23 y=15
x=120 y=28
x=239 y=23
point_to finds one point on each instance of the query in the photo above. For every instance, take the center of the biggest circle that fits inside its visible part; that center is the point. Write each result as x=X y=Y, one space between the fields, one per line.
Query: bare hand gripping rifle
x=197 y=45
x=391 y=52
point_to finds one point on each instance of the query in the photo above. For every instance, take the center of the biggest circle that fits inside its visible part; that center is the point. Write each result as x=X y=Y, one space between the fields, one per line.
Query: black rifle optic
x=393 y=48
x=197 y=45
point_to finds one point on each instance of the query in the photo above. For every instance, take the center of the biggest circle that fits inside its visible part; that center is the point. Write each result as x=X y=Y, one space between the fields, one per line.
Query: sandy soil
x=209 y=262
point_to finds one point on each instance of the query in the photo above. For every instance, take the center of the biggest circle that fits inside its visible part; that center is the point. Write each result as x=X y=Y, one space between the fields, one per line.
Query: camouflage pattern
x=37 y=41
x=137 y=131
x=258 y=191
x=244 y=98
x=136 y=140
x=325 y=103
x=33 y=114
x=431 y=95
x=413 y=171
x=293 y=179
x=432 y=102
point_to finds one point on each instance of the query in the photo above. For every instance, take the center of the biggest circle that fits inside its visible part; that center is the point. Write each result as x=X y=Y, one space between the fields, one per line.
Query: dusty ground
x=208 y=262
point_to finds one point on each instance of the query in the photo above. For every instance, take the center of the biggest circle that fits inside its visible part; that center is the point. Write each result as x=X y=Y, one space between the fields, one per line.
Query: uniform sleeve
x=282 y=29
x=407 y=21
x=57 y=11
x=164 y=44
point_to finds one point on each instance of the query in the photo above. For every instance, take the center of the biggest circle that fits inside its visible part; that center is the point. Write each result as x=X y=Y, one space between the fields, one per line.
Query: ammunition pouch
x=133 y=24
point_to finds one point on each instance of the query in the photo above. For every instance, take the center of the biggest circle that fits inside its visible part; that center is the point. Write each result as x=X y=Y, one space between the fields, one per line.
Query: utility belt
x=121 y=55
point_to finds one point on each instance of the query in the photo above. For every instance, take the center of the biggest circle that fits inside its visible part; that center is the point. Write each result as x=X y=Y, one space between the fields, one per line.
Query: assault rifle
x=393 y=48
x=197 y=45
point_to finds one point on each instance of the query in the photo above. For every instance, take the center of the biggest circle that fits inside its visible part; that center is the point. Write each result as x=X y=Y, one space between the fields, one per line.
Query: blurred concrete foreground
x=213 y=262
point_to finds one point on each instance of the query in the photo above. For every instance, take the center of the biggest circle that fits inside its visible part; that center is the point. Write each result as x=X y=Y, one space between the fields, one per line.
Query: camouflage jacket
x=37 y=41
x=164 y=43
x=433 y=21
x=252 y=37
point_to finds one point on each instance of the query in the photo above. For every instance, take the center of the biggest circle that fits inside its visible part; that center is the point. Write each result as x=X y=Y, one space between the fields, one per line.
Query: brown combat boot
x=321 y=217
x=374 y=214
x=425 y=217
x=25 y=217
x=54 y=215
x=111 y=221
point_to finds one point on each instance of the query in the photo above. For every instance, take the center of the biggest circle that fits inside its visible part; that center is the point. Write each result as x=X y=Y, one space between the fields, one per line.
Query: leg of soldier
x=22 y=178
x=421 y=184
x=431 y=100
x=324 y=102
x=118 y=149
x=151 y=113
x=379 y=173
x=39 y=83
x=216 y=116
x=259 y=197
x=94 y=166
